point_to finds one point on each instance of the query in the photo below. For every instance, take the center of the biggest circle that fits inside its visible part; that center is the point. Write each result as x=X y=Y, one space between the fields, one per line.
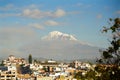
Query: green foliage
x=30 y=59
x=2 y=63
x=109 y=69
x=112 y=54
x=108 y=72
x=90 y=74
x=104 y=72
x=72 y=65
x=78 y=76
x=62 y=77
x=106 y=55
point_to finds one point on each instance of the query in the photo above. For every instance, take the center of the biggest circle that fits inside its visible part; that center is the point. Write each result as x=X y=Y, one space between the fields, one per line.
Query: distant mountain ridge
x=59 y=46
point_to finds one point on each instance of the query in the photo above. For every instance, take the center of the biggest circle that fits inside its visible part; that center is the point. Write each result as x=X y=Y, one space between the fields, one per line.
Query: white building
x=12 y=68
x=8 y=75
x=11 y=58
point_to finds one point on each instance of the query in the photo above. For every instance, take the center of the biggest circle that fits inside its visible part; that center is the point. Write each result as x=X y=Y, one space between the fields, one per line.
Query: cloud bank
x=36 y=13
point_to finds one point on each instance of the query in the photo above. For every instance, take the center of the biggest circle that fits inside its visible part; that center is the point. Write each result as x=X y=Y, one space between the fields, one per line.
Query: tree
x=72 y=65
x=112 y=54
x=25 y=69
x=2 y=63
x=91 y=75
x=108 y=66
x=30 y=59
x=78 y=75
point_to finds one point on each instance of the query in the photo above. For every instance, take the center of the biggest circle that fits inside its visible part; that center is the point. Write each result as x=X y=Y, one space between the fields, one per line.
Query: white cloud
x=59 y=13
x=118 y=12
x=36 y=25
x=31 y=11
x=36 y=13
x=99 y=16
x=51 y=23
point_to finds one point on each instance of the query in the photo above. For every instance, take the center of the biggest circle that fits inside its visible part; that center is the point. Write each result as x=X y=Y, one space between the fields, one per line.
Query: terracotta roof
x=26 y=76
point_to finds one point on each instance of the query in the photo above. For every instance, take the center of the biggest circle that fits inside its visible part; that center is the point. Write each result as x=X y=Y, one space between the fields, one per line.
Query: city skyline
x=23 y=23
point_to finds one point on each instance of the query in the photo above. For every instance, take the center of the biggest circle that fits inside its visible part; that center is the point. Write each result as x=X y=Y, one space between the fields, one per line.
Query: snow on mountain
x=56 y=35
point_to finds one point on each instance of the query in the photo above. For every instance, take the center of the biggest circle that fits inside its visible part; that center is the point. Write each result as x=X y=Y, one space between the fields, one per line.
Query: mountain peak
x=56 y=35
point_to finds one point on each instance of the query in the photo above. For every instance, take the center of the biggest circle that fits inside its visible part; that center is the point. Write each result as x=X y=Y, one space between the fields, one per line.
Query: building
x=8 y=75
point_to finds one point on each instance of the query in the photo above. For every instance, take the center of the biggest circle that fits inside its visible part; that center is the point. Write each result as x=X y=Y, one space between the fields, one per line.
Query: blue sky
x=23 y=21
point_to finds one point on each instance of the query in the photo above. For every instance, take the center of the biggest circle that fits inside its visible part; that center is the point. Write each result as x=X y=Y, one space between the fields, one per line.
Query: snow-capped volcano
x=58 y=45
x=56 y=35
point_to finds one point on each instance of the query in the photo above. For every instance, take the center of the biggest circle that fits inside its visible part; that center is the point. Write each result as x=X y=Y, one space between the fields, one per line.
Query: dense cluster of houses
x=19 y=69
